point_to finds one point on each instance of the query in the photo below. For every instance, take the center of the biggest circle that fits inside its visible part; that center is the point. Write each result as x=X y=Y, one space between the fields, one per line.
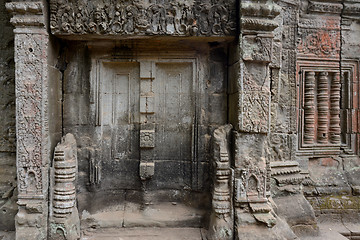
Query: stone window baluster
x=309 y=107
x=323 y=108
x=335 y=109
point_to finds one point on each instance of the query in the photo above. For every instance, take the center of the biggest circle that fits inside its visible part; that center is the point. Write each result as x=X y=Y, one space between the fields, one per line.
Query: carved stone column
x=252 y=165
x=31 y=43
x=256 y=46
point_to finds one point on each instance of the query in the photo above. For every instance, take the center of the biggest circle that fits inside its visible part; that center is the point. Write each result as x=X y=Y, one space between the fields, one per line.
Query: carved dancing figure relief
x=143 y=18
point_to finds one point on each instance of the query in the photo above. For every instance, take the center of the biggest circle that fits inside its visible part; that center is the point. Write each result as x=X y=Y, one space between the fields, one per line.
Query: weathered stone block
x=244 y=153
x=146 y=69
x=147 y=170
x=296 y=210
x=257 y=48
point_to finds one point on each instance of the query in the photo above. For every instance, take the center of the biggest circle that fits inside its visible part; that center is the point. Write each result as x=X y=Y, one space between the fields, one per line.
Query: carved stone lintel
x=329 y=23
x=179 y=18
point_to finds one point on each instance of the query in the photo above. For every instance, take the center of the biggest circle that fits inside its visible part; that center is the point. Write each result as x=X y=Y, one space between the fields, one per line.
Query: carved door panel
x=146 y=114
x=174 y=111
x=118 y=120
x=174 y=123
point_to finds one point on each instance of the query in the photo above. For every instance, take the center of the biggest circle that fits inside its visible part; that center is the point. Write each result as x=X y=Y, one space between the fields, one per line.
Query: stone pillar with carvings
x=253 y=210
x=32 y=153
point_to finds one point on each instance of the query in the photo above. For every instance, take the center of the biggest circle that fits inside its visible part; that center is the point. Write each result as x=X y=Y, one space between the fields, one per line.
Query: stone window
x=328 y=102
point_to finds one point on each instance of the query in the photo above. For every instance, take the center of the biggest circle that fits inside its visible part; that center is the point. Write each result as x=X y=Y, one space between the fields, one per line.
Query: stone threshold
x=146 y=234
x=130 y=215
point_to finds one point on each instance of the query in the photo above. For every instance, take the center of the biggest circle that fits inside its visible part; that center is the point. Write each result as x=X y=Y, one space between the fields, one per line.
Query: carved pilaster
x=31 y=44
x=323 y=108
x=252 y=170
x=335 y=129
x=257 y=23
x=309 y=108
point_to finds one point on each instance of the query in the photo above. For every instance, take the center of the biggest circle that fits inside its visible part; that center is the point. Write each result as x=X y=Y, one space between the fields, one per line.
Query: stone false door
x=145 y=111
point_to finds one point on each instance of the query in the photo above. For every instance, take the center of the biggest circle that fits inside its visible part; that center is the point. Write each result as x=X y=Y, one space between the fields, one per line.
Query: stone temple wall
x=328 y=53
x=292 y=99
x=8 y=206
x=319 y=68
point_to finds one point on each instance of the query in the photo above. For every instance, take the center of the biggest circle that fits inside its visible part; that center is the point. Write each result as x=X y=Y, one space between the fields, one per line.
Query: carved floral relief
x=319 y=43
x=30 y=112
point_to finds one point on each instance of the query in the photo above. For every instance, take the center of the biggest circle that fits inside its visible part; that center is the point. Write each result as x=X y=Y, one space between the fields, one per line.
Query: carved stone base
x=68 y=230
x=220 y=228
x=30 y=220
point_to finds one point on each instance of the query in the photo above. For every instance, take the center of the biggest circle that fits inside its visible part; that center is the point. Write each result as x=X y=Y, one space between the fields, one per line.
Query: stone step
x=145 y=234
x=338 y=230
x=130 y=215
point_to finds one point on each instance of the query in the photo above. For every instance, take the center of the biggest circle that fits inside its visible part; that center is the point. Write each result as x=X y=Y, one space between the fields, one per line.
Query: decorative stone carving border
x=325 y=7
x=112 y=17
x=315 y=43
x=32 y=130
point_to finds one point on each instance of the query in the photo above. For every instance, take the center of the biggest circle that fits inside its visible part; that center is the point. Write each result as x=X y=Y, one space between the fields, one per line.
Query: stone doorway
x=146 y=114
x=146 y=140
